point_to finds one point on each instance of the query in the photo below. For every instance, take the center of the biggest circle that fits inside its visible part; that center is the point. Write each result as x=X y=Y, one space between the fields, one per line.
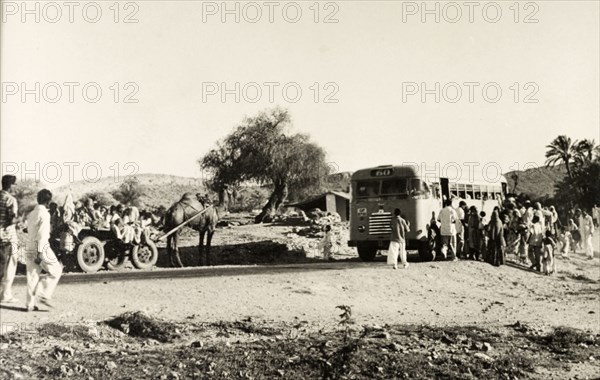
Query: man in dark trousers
x=461 y=213
x=398 y=240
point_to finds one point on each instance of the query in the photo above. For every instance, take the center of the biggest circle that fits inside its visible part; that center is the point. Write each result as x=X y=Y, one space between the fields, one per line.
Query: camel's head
x=204 y=199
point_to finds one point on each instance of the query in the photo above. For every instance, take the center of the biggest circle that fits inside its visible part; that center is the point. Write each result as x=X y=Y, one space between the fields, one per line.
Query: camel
x=182 y=210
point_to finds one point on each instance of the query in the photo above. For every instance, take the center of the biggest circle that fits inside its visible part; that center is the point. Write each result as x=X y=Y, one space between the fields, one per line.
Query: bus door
x=445 y=188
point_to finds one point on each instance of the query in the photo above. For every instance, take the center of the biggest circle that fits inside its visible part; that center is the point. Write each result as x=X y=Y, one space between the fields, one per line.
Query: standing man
x=582 y=230
x=9 y=242
x=536 y=237
x=448 y=218
x=398 y=240
x=39 y=254
x=461 y=212
x=587 y=225
x=539 y=212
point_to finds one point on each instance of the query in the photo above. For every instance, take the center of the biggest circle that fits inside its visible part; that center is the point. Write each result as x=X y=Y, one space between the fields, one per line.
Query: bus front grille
x=379 y=224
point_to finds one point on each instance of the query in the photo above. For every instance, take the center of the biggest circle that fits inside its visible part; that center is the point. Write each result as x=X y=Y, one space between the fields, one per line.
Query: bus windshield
x=419 y=188
x=416 y=187
x=367 y=188
x=394 y=186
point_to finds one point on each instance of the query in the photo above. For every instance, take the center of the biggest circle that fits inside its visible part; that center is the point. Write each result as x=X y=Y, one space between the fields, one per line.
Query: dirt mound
x=141 y=325
x=247 y=349
x=246 y=326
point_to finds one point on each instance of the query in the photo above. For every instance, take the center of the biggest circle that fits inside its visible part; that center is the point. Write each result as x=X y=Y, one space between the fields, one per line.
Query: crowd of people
x=526 y=230
x=46 y=224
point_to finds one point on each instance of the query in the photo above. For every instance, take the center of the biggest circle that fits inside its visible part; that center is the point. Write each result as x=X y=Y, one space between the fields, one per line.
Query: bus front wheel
x=367 y=253
x=426 y=253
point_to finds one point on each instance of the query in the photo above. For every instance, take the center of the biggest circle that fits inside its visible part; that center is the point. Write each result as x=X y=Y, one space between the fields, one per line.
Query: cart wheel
x=90 y=254
x=145 y=255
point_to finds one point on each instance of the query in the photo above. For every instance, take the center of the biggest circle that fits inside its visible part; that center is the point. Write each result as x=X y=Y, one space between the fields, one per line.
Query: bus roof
x=470 y=175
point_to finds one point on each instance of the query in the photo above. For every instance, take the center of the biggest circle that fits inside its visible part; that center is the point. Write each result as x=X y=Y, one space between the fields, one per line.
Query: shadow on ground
x=250 y=253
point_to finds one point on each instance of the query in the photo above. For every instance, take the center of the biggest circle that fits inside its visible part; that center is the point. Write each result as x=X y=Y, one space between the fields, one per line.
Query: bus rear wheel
x=426 y=253
x=367 y=253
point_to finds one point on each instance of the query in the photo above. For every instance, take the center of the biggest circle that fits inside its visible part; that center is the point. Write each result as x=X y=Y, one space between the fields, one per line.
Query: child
x=523 y=231
x=548 y=263
x=565 y=239
x=575 y=234
x=327 y=243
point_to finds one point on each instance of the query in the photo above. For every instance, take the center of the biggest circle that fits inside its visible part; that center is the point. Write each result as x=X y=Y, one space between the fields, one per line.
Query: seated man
x=131 y=215
x=127 y=232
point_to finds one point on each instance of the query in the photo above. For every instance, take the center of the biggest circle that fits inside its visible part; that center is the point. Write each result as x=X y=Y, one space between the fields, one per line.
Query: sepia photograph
x=308 y=189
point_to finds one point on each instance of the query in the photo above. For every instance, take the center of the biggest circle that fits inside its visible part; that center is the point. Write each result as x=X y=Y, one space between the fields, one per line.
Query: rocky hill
x=536 y=183
x=159 y=189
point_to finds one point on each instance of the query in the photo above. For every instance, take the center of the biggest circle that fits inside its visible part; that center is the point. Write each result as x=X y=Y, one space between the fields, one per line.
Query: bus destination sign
x=382 y=172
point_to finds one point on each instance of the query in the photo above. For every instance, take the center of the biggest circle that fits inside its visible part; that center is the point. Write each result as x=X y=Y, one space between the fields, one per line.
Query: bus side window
x=477 y=192
x=461 y=191
x=470 y=194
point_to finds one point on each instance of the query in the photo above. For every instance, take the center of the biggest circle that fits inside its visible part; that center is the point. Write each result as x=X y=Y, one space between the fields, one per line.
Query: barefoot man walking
x=39 y=255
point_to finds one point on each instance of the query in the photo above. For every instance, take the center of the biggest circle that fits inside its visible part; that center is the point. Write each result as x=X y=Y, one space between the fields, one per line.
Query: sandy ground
x=437 y=293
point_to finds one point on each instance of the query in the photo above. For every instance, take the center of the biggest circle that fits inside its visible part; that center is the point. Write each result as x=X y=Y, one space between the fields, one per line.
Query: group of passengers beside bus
x=527 y=231
x=467 y=234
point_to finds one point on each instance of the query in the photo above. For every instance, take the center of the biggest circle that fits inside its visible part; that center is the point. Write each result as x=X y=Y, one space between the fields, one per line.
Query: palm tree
x=584 y=151
x=560 y=150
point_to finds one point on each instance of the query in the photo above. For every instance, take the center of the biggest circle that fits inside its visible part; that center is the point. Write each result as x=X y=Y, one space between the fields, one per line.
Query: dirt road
x=438 y=293
x=463 y=319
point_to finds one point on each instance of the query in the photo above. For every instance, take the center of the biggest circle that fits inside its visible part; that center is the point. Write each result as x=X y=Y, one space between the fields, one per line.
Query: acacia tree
x=102 y=198
x=224 y=180
x=261 y=150
x=129 y=192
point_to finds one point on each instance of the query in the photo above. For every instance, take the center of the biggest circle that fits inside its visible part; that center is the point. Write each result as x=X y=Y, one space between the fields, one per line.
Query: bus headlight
x=361 y=228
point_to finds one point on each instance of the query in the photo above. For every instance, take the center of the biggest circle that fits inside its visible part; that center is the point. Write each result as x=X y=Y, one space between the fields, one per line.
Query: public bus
x=377 y=191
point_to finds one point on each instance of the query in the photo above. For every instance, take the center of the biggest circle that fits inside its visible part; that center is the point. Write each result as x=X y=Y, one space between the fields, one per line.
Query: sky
x=359 y=77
